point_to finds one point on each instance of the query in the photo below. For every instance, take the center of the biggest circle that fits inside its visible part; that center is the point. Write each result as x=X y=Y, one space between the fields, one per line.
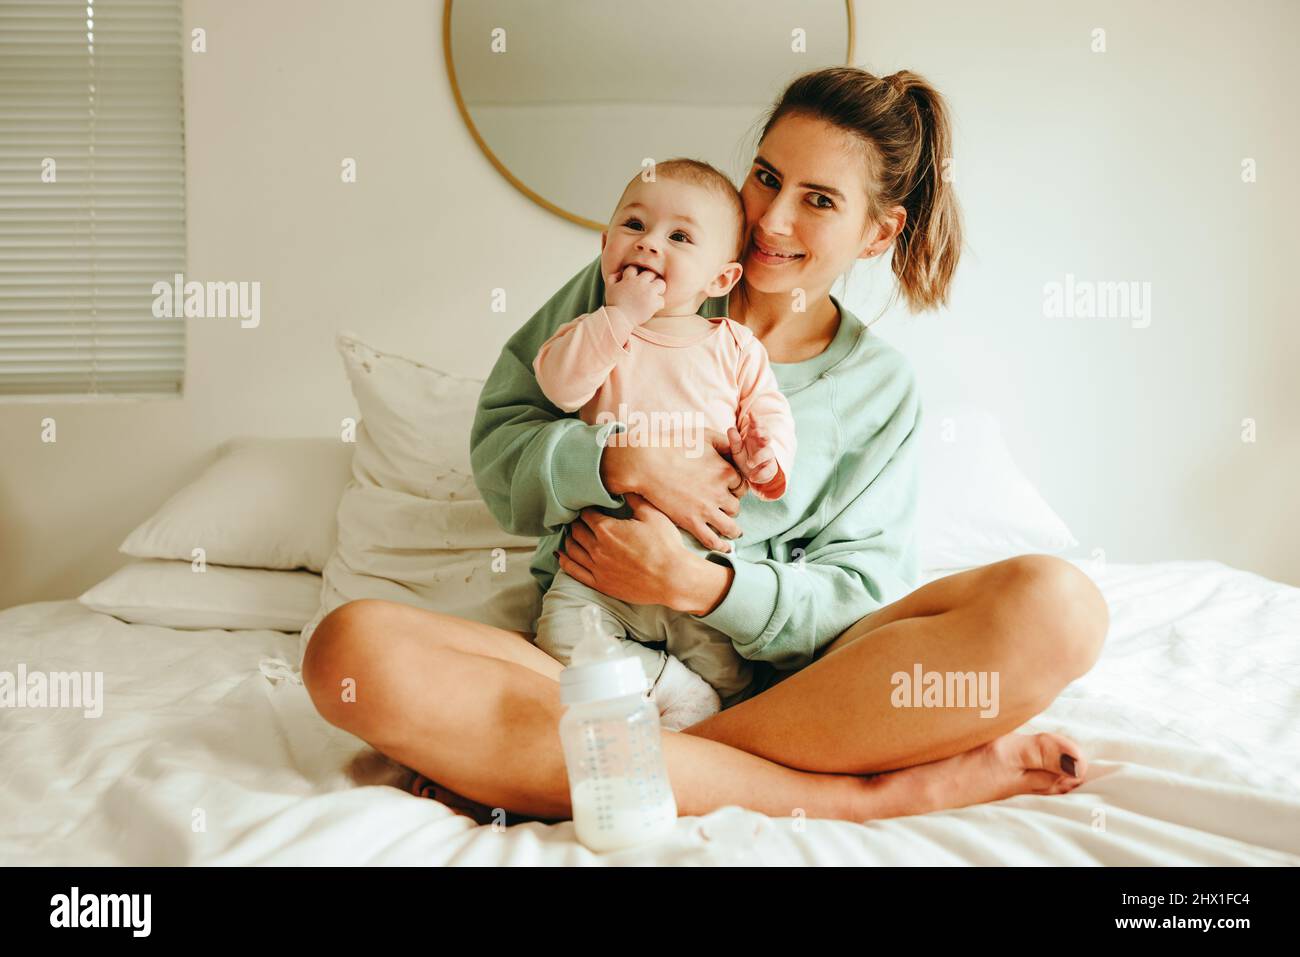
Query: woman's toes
x=1068 y=758
x=1065 y=785
x=1040 y=782
x=419 y=785
x=1049 y=763
x=424 y=787
x=1054 y=761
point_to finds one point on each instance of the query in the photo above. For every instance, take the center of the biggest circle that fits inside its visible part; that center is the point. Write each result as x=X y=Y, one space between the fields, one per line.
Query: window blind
x=90 y=96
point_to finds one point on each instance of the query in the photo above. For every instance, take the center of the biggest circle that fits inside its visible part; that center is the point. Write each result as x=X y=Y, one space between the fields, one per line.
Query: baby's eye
x=760 y=173
x=685 y=238
x=630 y=223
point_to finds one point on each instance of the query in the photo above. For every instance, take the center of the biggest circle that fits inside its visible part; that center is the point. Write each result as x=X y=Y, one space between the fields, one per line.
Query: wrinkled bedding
x=209 y=752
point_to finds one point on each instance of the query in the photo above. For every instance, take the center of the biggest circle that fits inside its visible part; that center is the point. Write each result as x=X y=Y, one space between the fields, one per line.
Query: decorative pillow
x=264 y=503
x=412 y=527
x=975 y=505
x=172 y=594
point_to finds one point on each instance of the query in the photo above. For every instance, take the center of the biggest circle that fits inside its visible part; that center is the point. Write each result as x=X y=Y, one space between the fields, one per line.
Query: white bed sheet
x=1190 y=722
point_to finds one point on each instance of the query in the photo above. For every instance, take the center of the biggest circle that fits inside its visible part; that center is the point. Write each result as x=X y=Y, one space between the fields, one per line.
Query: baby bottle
x=618 y=782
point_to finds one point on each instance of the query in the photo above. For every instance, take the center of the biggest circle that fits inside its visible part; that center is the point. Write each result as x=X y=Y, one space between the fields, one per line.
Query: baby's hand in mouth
x=636 y=290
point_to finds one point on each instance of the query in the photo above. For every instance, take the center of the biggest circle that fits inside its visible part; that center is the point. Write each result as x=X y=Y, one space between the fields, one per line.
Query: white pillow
x=264 y=503
x=976 y=506
x=172 y=594
x=412 y=527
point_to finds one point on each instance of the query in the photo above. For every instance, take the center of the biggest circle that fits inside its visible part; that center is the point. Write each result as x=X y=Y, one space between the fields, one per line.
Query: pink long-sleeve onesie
x=603 y=363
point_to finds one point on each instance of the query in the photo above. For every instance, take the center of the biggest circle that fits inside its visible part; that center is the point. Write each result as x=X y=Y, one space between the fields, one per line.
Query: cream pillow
x=264 y=503
x=412 y=527
x=975 y=505
x=172 y=594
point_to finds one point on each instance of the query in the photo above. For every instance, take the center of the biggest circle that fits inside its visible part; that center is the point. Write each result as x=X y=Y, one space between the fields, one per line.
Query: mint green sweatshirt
x=838 y=545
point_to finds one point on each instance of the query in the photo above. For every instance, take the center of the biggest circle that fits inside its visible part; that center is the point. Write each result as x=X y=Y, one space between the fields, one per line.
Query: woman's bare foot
x=424 y=787
x=1006 y=766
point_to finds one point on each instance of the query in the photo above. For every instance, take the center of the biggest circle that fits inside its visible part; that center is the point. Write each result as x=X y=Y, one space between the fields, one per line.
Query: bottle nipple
x=595 y=646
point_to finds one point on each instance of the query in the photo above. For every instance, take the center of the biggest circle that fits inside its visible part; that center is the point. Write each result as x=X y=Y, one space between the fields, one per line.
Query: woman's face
x=805 y=196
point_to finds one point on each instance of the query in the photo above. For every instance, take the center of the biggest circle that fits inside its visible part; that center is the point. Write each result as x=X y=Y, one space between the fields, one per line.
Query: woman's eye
x=771 y=182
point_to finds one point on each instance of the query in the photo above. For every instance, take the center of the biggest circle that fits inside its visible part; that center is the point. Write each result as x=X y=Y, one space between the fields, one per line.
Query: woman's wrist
x=705 y=585
x=615 y=468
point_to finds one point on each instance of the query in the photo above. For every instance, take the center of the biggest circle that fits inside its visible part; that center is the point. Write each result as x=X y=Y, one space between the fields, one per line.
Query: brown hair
x=903 y=121
x=699 y=173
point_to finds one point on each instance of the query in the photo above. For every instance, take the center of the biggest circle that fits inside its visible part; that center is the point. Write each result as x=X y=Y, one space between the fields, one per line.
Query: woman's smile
x=770 y=256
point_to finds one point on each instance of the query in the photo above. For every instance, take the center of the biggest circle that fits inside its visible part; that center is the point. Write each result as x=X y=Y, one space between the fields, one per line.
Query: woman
x=848 y=165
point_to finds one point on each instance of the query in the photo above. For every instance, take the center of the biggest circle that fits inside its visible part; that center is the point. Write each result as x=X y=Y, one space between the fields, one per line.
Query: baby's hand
x=638 y=292
x=753 y=456
x=762 y=468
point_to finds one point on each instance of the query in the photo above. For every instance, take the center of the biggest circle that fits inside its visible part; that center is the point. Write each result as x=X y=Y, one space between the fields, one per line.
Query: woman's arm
x=864 y=557
x=536 y=467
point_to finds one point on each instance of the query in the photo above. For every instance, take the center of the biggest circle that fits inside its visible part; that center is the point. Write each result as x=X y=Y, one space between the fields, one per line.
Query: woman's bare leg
x=484 y=723
x=477 y=709
x=1037 y=621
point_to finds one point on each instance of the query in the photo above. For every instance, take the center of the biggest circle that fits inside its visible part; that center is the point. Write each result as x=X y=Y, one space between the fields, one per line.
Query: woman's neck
x=788 y=336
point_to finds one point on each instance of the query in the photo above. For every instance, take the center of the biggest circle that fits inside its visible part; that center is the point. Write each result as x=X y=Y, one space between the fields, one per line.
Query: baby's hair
x=699 y=173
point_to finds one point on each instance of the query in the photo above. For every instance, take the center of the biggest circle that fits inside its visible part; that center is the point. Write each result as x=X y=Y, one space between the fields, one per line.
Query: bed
x=208 y=752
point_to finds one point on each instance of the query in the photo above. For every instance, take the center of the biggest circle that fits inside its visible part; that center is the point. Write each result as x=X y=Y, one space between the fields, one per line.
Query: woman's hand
x=700 y=494
x=641 y=560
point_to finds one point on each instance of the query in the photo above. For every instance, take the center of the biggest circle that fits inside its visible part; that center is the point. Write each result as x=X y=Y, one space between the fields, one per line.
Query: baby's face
x=682 y=232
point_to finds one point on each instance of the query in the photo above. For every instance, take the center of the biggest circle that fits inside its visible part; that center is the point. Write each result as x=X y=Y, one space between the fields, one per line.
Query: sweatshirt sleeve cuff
x=575 y=467
x=749 y=604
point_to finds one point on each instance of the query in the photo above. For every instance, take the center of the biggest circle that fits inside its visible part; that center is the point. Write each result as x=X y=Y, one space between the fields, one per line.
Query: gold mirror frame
x=500 y=166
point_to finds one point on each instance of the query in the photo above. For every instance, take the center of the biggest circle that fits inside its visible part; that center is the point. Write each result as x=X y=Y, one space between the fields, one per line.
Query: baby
x=649 y=360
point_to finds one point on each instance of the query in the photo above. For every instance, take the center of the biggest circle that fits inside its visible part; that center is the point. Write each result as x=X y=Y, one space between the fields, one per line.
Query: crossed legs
x=476 y=708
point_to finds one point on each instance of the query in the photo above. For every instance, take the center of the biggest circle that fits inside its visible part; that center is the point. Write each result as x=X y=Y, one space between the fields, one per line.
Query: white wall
x=1125 y=166
x=1115 y=166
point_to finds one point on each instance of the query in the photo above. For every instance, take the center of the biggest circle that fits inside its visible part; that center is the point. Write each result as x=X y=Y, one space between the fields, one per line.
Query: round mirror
x=569 y=99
